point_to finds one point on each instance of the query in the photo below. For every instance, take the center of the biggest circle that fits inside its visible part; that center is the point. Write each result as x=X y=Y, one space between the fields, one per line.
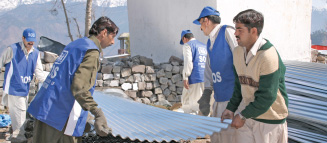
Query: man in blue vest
x=61 y=106
x=21 y=61
x=219 y=72
x=195 y=54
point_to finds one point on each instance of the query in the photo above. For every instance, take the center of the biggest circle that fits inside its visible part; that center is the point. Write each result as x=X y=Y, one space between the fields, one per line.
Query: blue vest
x=55 y=104
x=19 y=72
x=221 y=63
x=199 y=55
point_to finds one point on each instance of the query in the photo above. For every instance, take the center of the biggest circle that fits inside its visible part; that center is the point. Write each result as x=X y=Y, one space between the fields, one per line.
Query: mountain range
x=47 y=18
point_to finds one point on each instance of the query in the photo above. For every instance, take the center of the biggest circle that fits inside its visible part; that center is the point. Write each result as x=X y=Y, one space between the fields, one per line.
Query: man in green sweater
x=259 y=103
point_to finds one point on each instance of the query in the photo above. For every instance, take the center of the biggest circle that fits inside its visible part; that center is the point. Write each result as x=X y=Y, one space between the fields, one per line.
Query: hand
x=227 y=114
x=237 y=122
x=186 y=85
x=100 y=123
x=204 y=102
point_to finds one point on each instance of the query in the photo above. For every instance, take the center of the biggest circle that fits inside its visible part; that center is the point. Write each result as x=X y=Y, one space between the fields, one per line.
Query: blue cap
x=206 y=12
x=29 y=35
x=182 y=35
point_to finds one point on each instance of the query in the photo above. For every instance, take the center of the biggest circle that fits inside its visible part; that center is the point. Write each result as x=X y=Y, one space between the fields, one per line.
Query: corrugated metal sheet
x=133 y=120
x=306 y=85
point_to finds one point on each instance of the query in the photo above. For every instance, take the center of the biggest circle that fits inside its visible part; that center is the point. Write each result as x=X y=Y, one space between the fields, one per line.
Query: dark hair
x=101 y=24
x=214 y=19
x=189 y=35
x=251 y=19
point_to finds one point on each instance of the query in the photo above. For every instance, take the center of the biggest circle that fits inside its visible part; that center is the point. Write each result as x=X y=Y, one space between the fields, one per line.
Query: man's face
x=243 y=35
x=28 y=45
x=108 y=40
x=204 y=25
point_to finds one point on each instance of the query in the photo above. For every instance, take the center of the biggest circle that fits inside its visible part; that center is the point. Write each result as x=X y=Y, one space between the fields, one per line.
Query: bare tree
x=69 y=33
x=79 y=32
x=88 y=16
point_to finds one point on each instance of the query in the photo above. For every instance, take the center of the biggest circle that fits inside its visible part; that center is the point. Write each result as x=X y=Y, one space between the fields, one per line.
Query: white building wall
x=155 y=25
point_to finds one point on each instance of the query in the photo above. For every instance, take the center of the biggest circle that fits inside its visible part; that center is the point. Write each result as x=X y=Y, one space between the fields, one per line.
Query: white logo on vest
x=26 y=79
x=216 y=77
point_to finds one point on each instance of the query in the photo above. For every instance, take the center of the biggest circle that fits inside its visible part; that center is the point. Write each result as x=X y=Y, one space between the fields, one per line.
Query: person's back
x=194 y=53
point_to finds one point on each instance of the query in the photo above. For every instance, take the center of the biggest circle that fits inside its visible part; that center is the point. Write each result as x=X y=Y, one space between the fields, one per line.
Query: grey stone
x=114 y=83
x=161 y=97
x=2 y=75
x=175 y=59
x=145 y=100
x=99 y=83
x=178 y=98
x=163 y=80
x=167 y=67
x=172 y=87
x=161 y=73
x=168 y=74
x=175 y=69
x=136 y=60
x=156 y=84
x=176 y=78
x=163 y=103
x=107 y=76
x=43 y=66
x=149 y=85
x=138 y=69
x=50 y=57
x=126 y=72
x=163 y=87
x=152 y=77
x=146 y=61
x=131 y=93
x=157 y=90
x=171 y=98
x=138 y=100
x=137 y=77
x=181 y=68
x=175 y=63
x=106 y=69
x=146 y=93
x=180 y=84
x=153 y=98
x=106 y=83
x=149 y=69
x=117 y=76
x=116 y=69
x=166 y=92
x=121 y=81
x=48 y=67
x=170 y=82
x=157 y=66
x=135 y=87
x=141 y=85
x=179 y=90
x=99 y=77
x=126 y=86
x=130 y=79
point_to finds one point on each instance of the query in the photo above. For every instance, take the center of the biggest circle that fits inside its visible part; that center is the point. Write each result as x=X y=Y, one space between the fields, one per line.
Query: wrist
x=241 y=116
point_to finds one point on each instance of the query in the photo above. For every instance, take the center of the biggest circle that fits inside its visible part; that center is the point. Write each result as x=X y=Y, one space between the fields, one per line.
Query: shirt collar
x=96 y=42
x=192 y=39
x=260 y=41
x=213 y=33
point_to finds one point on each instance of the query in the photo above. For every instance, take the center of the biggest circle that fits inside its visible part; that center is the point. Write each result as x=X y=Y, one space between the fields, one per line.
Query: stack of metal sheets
x=306 y=85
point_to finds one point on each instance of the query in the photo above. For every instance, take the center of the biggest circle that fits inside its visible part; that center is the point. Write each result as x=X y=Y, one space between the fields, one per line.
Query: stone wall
x=143 y=80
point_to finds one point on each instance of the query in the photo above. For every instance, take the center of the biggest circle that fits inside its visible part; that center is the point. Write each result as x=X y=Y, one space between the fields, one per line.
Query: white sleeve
x=6 y=56
x=39 y=73
x=230 y=37
x=188 y=63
